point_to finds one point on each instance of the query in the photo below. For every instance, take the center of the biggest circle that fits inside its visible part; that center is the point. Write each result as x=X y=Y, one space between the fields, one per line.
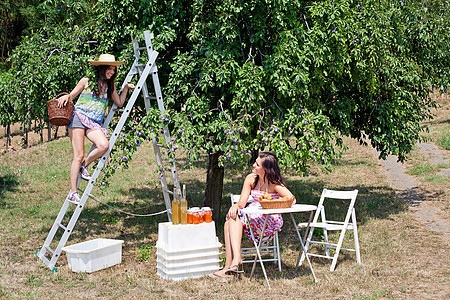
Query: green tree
x=242 y=76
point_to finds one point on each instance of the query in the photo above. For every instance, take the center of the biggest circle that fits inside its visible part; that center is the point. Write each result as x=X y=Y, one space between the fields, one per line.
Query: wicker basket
x=59 y=116
x=278 y=203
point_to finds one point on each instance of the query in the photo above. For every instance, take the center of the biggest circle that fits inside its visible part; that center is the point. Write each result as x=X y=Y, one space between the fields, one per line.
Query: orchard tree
x=243 y=76
x=293 y=76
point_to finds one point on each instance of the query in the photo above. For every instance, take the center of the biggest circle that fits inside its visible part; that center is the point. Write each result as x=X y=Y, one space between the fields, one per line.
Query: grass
x=401 y=259
x=35 y=180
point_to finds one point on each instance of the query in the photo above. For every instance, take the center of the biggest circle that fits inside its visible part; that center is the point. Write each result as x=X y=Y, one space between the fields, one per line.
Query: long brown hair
x=271 y=167
x=101 y=77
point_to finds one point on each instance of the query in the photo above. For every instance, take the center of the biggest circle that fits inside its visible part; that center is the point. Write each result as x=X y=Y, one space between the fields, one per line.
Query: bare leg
x=233 y=235
x=235 y=228
x=77 y=138
x=98 y=138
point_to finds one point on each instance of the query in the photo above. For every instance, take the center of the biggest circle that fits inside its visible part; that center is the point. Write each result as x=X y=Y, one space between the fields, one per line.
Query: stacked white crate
x=187 y=251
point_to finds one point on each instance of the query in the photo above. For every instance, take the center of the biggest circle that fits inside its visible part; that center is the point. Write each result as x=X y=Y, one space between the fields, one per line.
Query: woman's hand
x=62 y=101
x=130 y=86
x=232 y=213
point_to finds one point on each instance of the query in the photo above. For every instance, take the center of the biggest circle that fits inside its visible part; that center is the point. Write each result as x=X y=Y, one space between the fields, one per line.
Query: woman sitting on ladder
x=264 y=179
x=88 y=115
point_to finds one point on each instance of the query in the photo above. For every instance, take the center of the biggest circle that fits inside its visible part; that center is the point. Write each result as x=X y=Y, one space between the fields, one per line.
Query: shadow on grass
x=372 y=202
x=8 y=183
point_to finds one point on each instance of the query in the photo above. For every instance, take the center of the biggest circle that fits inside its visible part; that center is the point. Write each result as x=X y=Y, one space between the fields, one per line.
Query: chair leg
x=355 y=236
x=278 y=255
x=325 y=235
x=338 y=249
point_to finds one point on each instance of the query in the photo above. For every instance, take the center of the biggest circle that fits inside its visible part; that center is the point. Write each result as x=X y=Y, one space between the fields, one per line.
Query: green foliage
x=240 y=76
x=44 y=65
x=144 y=252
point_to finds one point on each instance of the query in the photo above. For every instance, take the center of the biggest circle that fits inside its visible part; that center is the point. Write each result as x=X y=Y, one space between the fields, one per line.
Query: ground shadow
x=8 y=183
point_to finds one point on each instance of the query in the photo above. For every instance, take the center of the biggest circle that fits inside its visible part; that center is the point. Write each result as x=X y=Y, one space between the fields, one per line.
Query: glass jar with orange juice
x=189 y=216
x=207 y=214
x=196 y=215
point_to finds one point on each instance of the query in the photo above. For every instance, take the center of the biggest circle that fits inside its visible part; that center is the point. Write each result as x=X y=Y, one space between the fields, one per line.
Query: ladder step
x=140 y=65
x=151 y=97
x=49 y=249
x=118 y=109
x=161 y=145
x=44 y=259
x=167 y=191
x=62 y=226
x=142 y=48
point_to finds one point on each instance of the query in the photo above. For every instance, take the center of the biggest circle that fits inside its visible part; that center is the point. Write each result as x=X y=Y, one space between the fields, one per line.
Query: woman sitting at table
x=264 y=179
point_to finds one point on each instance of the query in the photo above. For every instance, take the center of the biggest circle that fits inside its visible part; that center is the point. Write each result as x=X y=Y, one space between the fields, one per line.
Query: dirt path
x=407 y=187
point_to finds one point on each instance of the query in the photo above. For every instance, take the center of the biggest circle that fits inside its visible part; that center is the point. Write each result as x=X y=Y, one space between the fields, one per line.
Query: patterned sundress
x=91 y=109
x=274 y=222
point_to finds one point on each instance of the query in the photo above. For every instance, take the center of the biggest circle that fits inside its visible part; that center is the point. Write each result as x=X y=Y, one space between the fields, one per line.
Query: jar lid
x=195 y=209
x=206 y=208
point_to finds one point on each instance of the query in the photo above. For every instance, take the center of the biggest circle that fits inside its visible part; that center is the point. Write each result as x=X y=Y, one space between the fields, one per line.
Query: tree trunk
x=41 y=131
x=8 y=135
x=214 y=186
x=49 y=131
x=25 y=144
x=56 y=133
x=255 y=155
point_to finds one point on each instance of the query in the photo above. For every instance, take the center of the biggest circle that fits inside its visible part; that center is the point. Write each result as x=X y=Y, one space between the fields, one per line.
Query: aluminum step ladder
x=50 y=256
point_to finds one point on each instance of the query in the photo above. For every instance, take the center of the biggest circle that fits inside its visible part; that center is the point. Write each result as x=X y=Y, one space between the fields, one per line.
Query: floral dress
x=274 y=222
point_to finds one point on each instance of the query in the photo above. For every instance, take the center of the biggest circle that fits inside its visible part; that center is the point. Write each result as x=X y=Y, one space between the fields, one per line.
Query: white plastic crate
x=188 y=269
x=161 y=250
x=182 y=276
x=186 y=237
x=94 y=255
x=181 y=263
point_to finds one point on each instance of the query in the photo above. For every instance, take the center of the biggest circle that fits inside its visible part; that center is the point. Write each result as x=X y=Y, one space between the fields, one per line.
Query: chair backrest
x=234 y=198
x=341 y=195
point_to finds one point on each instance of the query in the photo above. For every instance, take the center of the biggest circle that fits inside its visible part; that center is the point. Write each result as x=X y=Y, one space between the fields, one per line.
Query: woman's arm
x=245 y=193
x=283 y=191
x=120 y=100
x=62 y=101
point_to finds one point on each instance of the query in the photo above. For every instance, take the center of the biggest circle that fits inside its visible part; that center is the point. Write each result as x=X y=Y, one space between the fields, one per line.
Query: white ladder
x=50 y=256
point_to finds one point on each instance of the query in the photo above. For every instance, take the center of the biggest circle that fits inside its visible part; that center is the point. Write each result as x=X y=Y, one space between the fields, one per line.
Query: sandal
x=234 y=270
x=216 y=276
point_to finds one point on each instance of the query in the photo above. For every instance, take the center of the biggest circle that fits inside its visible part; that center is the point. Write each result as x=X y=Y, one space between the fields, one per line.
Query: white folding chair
x=349 y=223
x=271 y=248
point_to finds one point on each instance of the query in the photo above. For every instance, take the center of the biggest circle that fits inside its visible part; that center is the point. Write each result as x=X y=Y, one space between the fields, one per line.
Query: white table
x=295 y=208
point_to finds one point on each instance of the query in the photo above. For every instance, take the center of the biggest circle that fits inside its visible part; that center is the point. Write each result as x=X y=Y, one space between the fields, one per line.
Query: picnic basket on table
x=59 y=116
x=284 y=202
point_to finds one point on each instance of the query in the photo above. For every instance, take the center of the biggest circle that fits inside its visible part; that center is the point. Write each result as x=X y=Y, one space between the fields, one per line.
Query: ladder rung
x=49 y=249
x=161 y=145
x=151 y=97
x=142 y=48
x=140 y=65
x=167 y=191
x=118 y=109
x=44 y=259
x=62 y=226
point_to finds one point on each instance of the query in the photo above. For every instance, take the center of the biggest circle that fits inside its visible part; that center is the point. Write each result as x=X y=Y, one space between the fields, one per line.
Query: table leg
x=304 y=240
x=257 y=246
x=303 y=246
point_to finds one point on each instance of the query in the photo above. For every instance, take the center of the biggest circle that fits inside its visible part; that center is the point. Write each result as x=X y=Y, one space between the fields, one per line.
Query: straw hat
x=105 y=60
